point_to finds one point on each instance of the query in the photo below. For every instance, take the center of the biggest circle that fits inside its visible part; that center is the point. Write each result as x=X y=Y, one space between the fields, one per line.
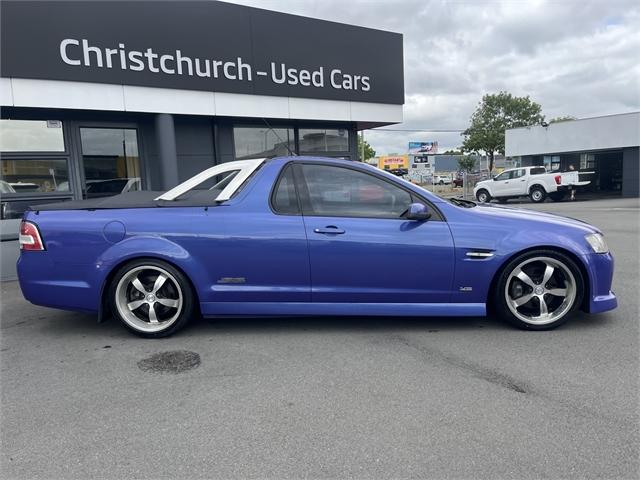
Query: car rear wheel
x=151 y=298
x=483 y=196
x=538 y=290
x=537 y=194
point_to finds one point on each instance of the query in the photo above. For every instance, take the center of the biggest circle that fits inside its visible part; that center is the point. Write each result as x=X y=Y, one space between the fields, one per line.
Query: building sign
x=391 y=162
x=210 y=46
x=422 y=148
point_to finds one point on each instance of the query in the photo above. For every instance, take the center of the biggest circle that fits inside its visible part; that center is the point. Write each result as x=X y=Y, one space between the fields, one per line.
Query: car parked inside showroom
x=308 y=236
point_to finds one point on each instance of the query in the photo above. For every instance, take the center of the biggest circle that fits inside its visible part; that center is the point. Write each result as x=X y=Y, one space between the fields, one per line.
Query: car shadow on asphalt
x=66 y=323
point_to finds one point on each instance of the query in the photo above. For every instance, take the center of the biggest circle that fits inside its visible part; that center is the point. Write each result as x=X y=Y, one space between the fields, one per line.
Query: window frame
x=274 y=126
x=66 y=140
x=276 y=186
x=35 y=195
x=77 y=137
x=323 y=153
x=303 y=194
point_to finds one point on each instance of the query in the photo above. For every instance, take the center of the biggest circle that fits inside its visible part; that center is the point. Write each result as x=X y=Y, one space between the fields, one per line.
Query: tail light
x=558 y=179
x=30 y=237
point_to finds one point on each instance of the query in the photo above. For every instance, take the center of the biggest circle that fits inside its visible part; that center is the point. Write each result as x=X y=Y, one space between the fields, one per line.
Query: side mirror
x=494 y=178
x=418 y=211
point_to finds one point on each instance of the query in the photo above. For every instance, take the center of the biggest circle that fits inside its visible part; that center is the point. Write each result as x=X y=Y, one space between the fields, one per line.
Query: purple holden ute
x=308 y=236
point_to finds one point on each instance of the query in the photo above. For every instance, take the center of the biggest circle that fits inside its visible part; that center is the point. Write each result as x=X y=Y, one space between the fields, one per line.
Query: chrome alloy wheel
x=149 y=298
x=540 y=290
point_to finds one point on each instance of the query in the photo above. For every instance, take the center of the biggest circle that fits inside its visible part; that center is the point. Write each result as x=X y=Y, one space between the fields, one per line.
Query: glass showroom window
x=31 y=176
x=551 y=163
x=314 y=140
x=31 y=136
x=587 y=161
x=263 y=142
x=110 y=161
x=34 y=167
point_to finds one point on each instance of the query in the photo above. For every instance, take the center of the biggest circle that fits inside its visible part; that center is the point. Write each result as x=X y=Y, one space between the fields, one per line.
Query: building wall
x=599 y=133
x=631 y=172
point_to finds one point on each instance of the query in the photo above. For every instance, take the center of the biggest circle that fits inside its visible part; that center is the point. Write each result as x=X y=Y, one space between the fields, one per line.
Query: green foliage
x=495 y=114
x=453 y=152
x=369 y=152
x=566 y=118
x=467 y=163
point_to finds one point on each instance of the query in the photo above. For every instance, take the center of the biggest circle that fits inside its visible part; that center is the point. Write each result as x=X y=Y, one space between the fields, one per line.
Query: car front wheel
x=151 y=298
x=538 y=290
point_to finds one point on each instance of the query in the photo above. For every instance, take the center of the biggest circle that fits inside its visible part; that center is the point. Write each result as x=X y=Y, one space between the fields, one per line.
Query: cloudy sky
x=574 y=57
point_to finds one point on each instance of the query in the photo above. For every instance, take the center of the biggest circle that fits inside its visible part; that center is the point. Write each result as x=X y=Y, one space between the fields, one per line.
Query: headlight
x=597 y=242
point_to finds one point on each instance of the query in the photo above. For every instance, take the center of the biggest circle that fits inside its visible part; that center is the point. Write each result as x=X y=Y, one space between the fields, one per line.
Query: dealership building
x=99 y=98
x=606 y=147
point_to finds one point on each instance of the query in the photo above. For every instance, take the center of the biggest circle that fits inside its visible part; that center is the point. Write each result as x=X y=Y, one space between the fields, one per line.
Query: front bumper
x=600 y=268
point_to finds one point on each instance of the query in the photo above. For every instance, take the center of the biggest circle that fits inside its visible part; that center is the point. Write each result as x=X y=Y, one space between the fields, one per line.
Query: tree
x=369 y=152
x=495 y=114
x=453 y=152
x=467 y=163
x=566 y=118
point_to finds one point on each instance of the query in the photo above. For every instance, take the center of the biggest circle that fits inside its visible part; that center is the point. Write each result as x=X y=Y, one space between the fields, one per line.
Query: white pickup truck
x=533 y=182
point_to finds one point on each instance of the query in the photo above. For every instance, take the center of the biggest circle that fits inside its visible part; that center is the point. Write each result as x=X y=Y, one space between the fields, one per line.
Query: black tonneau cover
x=142 y=199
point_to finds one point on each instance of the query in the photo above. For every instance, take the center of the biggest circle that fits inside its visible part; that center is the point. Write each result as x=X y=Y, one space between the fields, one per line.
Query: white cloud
x=574 y=57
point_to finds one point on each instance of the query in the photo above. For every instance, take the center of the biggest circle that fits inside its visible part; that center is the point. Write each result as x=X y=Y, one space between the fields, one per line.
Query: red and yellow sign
x=391 y=162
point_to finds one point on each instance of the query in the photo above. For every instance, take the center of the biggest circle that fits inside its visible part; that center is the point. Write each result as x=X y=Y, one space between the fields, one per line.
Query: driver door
x=503 y=186
x=361 y=249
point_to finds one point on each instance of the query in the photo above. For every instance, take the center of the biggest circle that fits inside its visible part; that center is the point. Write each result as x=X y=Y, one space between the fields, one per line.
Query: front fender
x=482 y=186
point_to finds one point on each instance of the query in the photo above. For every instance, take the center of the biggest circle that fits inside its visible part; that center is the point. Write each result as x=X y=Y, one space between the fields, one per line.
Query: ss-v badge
x=466 y=289
x=232 y=280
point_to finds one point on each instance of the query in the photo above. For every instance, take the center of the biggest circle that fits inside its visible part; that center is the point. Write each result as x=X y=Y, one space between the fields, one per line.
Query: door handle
x=330 y=229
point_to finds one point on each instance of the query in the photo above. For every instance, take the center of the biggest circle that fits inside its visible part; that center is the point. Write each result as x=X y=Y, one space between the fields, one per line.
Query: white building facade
x=608 y=146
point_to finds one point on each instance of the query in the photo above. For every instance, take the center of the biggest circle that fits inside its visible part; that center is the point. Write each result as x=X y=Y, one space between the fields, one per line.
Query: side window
x=342 y=192
x=504 y=176
x=519 y=173
x=284 y=199
x=538 y=171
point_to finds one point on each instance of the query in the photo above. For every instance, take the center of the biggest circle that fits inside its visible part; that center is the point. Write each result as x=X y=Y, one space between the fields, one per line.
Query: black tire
x=557 y=196
x=564 y=310
x=483 y=196
x=174 y=289
x=537 y=194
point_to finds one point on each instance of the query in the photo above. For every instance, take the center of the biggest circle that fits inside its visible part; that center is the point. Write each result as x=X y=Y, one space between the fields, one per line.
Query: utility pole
x=362 y=159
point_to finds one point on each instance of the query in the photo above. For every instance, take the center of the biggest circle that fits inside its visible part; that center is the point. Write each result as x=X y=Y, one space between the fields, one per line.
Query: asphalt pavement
x=329 y=397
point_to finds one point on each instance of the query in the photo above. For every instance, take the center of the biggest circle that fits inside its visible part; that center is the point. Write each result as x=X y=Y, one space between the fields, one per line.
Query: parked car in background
x=442 y=180
x=308 y=236
x=399 y=172
x=533 y=182
x=25 y=187
x=6 y=188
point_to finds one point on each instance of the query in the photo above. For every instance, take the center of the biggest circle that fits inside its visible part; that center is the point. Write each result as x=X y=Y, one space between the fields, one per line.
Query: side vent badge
x=232 y=280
